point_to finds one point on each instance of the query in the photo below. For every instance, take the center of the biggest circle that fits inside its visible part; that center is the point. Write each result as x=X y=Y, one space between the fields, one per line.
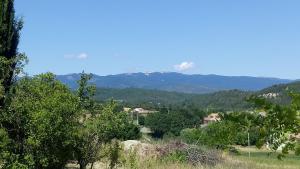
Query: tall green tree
x=98 y=124
x=86 y=92
x=87 y=144
x=10 y=59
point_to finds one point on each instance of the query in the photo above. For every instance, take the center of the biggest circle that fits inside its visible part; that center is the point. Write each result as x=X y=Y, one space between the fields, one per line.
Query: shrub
x=191 y=136
x=192 y=154
x=242 y=137
x=200 y=156
x=218 y=135
x=233 y=150
x=114 y=154
x=132 y=159
x=176 y=156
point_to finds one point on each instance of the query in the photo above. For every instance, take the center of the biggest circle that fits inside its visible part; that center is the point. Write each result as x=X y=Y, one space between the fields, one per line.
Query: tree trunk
x=92 y=165
x=82 y=164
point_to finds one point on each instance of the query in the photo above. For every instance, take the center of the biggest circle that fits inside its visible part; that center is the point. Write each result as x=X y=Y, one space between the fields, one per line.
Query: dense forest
x=229 y=100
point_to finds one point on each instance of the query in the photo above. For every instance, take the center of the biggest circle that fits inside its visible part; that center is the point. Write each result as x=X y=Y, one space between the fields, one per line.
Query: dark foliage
x=173 y=120
x=10 y=59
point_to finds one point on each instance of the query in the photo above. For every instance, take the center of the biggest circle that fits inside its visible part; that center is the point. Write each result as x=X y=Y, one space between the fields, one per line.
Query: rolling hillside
x=222 y=100
x=280 y=93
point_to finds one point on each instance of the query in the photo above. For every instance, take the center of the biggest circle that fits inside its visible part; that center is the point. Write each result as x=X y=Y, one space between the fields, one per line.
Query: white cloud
x=80 y=56
x=184 y=66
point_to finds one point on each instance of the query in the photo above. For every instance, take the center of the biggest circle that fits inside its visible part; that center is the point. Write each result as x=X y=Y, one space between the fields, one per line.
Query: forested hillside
x=223 y=100
x=281 y=93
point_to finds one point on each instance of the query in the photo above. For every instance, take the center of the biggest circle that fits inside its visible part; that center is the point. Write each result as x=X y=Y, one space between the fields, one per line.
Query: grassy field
x=262 y=159
x=259 y=159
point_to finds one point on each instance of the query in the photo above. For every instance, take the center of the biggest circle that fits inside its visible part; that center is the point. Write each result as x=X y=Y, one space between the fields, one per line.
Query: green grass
x=263 y=159
x=259 y=159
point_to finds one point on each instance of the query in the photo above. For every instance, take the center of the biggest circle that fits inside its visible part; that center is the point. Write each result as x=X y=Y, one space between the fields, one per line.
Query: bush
x=191 y=136
x=200 y=156
x=132 y=162
x=219 y=135
x=242 y=137
x=233 y=150
x=142 y=120
x=192 y=154
x=216 y=135
x=176 y=156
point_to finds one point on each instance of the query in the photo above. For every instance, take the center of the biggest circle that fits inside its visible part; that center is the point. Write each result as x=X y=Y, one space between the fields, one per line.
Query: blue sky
x=226 y=37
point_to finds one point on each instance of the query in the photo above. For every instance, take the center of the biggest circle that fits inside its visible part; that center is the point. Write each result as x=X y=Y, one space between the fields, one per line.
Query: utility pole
x=137 y=118
x=249 y=143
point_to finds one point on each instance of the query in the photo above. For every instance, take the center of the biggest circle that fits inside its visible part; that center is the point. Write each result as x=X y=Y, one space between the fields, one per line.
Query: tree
x=101 y=129
x=42 y=116
x=219 y=134
x=173 y=120
x=87 y=143
x=279 y=124
x=98 y=126
x=86 y=93
x=10 y=59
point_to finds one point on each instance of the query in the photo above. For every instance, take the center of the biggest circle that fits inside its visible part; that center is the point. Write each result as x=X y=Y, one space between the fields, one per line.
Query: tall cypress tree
x=10 y=27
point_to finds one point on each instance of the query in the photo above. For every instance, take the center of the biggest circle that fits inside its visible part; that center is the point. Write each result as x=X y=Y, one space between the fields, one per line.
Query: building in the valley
x=270 y=95
x=126 y=109
x=136 y=113
x=142 y=112
x=213 y=117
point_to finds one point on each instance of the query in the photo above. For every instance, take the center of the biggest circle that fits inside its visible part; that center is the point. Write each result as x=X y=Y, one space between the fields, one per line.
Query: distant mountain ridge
x=177 y=82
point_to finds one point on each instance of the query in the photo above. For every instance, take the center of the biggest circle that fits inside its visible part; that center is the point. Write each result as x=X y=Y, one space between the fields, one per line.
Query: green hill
x=280 y=93
x=282 y=88
x=224 y=100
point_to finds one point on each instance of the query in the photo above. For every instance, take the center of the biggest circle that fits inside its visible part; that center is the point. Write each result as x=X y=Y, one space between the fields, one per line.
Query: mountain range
x=177 y=82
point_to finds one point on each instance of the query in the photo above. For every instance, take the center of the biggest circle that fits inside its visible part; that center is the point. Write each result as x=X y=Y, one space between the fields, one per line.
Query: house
x=270 y=95
x=142 y=112
x=213 y=117
x=126 y=109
